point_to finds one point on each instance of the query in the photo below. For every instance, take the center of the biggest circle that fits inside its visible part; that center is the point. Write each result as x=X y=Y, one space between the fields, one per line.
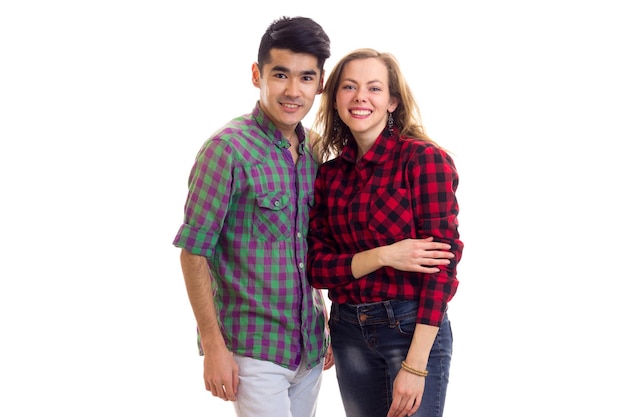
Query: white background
x=103 y=106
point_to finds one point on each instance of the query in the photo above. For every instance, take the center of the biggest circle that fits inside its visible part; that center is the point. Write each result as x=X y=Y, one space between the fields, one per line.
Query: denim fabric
x=369 y=342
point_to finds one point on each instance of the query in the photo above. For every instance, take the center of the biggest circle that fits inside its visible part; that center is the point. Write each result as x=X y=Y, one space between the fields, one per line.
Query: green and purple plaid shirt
x=247 y=212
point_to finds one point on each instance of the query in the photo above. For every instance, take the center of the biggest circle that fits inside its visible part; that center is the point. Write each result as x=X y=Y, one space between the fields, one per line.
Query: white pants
x=269 y=390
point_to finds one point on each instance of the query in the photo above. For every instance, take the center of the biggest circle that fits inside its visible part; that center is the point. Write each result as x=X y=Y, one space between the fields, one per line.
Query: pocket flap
x=272 y=201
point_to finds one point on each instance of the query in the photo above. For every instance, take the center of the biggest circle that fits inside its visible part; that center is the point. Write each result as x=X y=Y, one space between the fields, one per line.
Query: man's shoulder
x=243 y=136
x=238 y=130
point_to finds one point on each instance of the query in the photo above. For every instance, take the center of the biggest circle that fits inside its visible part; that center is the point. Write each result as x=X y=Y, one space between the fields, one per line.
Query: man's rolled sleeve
x=207 y=199
x=195 y=240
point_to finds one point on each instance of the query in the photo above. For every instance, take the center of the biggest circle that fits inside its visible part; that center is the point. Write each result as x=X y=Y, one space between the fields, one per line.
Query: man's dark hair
x=297 y=34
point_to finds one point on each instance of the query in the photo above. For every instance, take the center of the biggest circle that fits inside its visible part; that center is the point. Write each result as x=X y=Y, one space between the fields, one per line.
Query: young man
x=244 y=238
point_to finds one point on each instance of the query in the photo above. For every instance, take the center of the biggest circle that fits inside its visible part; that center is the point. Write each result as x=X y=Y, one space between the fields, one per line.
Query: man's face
x=288 y=85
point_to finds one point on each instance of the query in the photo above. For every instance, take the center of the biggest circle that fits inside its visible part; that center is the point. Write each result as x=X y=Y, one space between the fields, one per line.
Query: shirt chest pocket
x=391 y=214
x=271 y=217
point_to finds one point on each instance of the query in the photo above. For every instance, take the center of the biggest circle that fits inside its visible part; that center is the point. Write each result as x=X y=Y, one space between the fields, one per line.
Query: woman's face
x=363 y=99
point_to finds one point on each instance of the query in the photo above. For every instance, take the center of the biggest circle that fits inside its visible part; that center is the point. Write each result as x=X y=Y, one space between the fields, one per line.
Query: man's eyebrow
x=280 y=68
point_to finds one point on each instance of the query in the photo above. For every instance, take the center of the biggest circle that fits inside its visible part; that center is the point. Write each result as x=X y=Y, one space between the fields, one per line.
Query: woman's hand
x=408 y=390
x=417 y=255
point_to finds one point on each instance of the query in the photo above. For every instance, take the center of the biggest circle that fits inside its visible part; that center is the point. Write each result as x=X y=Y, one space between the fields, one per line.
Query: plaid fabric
x=247 y=212
x=401 y=188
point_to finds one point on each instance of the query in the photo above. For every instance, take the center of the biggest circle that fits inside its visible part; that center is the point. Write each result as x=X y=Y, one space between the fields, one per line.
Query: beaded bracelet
x=413 y=371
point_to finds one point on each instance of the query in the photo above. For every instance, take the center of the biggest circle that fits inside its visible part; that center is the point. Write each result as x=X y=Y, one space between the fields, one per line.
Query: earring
x=336 y=123
x=390 y=123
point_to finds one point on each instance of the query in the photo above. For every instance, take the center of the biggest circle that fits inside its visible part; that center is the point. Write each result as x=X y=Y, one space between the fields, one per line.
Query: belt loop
x=390 y=315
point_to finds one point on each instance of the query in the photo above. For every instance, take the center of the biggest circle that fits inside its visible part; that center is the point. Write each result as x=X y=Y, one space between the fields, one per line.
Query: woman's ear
x=393 y=104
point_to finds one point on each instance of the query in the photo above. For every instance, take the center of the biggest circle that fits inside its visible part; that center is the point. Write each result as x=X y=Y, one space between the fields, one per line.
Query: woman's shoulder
x=424 y=150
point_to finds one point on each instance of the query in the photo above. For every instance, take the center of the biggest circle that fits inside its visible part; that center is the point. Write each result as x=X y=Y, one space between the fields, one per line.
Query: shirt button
x=301 y=265
x=276 y=203
x=299 y=234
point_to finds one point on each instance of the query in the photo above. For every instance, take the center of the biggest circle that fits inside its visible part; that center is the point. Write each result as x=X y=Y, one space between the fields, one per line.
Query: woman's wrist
x=414 y=371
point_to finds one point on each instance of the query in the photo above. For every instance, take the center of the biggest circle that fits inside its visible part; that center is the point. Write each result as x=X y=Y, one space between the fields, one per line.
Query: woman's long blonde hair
x=330 y=135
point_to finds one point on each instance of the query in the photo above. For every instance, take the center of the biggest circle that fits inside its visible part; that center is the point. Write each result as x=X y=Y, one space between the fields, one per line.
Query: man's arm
x=221 y=373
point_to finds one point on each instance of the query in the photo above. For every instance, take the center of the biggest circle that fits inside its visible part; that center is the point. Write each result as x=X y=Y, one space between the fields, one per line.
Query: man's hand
x=221 y=374
x=329 y=360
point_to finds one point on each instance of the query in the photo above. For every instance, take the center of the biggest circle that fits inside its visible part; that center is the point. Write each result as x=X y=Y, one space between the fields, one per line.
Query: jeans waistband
x=384 y=312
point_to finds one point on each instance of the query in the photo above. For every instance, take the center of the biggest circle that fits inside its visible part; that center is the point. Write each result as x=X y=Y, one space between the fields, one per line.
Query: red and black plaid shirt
x=401 y=188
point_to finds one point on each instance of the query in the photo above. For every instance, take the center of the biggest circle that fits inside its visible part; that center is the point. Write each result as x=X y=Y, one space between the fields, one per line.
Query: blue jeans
x=369 y=342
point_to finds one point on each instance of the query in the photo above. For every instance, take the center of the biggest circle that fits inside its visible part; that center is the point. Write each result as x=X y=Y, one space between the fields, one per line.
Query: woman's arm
x=413 y=255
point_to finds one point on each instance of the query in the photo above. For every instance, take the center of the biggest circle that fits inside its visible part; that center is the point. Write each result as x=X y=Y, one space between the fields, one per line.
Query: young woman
x=384 y=241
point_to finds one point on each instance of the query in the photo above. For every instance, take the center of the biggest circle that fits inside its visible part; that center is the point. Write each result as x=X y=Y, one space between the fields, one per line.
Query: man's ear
x=256 y=75
x=320 y=89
